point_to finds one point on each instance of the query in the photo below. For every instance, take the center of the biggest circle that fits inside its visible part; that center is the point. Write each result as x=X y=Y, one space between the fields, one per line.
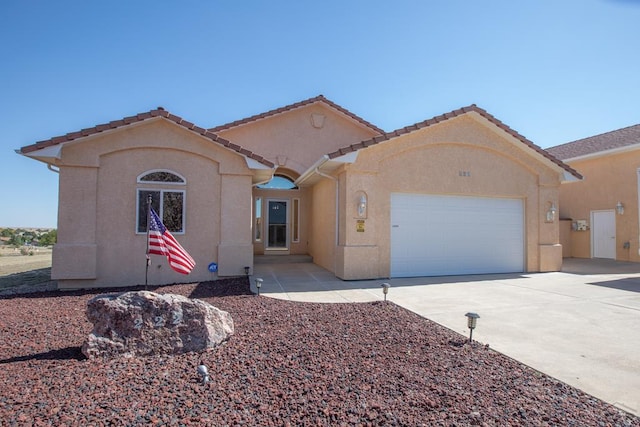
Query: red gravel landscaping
x=288 y=363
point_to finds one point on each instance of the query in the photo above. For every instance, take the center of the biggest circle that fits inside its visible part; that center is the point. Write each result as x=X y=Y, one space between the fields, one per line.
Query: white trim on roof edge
x=315 y=169
x=252 y=163
x=51 y=152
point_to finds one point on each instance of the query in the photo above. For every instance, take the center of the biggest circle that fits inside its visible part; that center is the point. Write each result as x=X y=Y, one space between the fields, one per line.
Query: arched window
x=279 y=182
x=165 y=176
x=167 y=200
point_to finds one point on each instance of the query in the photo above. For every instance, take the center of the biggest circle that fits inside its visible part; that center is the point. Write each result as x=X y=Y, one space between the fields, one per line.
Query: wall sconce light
x=258 y=284
x=362 y=206
x=620 y=208
x=472 y=318
x=385 y=290
x=551 y=212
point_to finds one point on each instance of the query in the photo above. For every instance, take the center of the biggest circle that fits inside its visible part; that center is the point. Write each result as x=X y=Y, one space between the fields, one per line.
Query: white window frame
x=161 y=187
x=295 y=220
x=258 y=230
x=139 y=179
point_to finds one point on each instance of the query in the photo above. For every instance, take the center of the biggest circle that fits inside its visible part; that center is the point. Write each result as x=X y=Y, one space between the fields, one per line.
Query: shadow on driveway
x=589 y=266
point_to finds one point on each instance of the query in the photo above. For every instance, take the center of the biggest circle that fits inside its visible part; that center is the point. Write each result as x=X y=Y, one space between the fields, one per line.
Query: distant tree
x=6 y=232
x=49 y=238
x=16 y=240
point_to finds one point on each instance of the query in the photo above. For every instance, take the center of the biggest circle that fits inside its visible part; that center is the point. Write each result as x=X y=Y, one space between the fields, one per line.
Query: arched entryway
x=278 y=217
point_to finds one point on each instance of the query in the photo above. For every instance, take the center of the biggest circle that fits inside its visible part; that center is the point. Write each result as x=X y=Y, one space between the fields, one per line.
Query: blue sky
x=555 y=71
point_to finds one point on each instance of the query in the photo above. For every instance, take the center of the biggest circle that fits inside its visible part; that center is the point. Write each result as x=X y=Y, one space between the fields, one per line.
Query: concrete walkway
x=581 y=325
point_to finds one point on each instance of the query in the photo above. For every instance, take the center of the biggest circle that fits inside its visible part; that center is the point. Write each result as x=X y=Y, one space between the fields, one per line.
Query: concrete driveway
x=581 y=325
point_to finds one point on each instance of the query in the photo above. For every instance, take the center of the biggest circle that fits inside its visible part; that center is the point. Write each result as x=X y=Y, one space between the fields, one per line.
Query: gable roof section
x=153 y=114
x=447 y=116
x=614 y=141
x=319 y=98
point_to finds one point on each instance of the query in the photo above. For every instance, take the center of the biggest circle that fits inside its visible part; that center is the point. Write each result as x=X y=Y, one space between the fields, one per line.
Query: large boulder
x=145 y=323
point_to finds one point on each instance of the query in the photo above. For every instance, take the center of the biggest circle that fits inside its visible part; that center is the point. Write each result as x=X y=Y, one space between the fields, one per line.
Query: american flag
x=161 y=242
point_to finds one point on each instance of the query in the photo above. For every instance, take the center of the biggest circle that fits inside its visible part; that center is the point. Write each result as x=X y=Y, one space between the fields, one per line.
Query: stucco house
x=599 y=215
x=459 y=193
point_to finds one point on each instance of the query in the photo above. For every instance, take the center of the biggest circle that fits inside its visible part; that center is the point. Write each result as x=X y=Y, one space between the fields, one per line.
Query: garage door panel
x=446 y=235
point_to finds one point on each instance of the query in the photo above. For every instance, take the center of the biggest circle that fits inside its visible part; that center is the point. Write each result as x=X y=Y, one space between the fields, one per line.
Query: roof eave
x=320 y=99
x=604 y=153
x=478 y=114
x=49 y=155
x=567 y=173
x=45 y=149
x=569 y=178
x=325 y=165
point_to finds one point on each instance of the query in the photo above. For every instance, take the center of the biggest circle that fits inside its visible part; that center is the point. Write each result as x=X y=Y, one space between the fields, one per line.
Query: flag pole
x=147 y=258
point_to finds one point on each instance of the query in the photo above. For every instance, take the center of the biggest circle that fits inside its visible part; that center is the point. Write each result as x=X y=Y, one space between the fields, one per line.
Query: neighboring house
x=460 y=193
x=601 y=212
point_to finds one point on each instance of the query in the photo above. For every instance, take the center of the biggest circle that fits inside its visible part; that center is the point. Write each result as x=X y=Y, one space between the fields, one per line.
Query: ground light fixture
x=472 y=318
x=203 y=373
x=385 y=290
x=258 y=284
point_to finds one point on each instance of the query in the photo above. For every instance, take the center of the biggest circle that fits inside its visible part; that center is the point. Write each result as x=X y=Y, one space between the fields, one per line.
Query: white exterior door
x=450 y=235
x=603 y=234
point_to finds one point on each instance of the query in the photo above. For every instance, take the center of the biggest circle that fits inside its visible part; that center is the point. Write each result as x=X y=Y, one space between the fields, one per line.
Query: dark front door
x=277 y=219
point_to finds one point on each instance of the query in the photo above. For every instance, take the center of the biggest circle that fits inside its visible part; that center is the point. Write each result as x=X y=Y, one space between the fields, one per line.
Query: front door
x=277 y=224
x=603 y=234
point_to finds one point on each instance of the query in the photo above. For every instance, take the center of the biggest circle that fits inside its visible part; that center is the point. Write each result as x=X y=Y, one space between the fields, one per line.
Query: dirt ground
x=19 y=270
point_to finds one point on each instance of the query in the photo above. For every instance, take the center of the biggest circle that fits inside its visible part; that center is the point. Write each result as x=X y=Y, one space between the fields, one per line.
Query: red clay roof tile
x=319 y=98
x=160 y=112
x=443 y=117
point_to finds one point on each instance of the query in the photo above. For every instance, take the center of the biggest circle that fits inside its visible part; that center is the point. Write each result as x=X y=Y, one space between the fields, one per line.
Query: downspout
x=337 y=231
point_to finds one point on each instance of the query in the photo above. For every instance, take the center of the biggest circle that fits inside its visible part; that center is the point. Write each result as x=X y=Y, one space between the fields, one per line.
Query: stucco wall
x=98 y=207
x=429 y=161
x=565 y=238
x=290 y=140
x=607 y=180
x=322 y=233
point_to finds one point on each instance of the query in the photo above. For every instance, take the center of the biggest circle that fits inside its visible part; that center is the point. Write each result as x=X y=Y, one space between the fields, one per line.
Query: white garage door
x=451 y=235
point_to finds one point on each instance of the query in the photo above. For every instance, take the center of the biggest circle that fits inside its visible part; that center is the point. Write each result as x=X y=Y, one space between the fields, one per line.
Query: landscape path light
x=203 y=373
x=246 y=270
x=472 y=318
x=385 y=290
x=258 y=284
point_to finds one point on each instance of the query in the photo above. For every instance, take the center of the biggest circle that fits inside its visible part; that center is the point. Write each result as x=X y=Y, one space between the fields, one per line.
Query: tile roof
x=620 y=138
x=444 y=117
x=158 y=112
x=319 y=98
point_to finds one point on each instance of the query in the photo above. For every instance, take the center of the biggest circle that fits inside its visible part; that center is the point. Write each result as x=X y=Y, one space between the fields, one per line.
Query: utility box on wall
x=580 y=225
